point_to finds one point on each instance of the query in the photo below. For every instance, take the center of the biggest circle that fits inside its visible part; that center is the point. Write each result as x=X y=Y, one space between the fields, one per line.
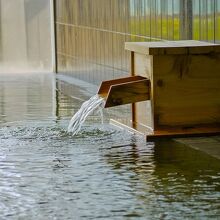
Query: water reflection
x=27 y=96
x=169 y=180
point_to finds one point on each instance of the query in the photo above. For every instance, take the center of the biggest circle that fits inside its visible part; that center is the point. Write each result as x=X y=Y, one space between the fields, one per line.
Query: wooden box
x=184 y=88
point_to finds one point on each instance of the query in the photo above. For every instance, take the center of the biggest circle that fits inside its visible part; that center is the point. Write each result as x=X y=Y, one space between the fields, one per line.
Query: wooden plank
x=198 y=131
x=127 y=124
x=129 y=92
x=201 y=50
x=188 y=43
x=143 y=65
x=157 y=137
x=105 y=85
x=186 y=90
x=172 y=47
x=154 y=48
x=133 y=105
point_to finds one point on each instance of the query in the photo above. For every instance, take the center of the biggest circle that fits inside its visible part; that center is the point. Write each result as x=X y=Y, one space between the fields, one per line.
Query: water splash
x=87 y=108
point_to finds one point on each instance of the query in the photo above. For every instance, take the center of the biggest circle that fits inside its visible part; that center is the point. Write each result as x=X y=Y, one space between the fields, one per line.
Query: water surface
x=101 y=173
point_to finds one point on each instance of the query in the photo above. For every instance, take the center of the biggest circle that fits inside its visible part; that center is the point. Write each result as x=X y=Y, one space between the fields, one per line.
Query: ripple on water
x=102 y=172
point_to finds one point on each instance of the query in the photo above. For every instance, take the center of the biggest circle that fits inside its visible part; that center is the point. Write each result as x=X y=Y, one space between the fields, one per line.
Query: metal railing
x=91 y=33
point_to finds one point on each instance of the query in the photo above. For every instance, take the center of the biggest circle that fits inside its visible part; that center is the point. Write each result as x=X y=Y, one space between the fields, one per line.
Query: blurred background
x=25 y=36
x=87 y=36
x=91 y=34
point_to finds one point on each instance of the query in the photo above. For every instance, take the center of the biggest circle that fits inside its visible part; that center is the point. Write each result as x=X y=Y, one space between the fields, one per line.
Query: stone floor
x=209 y=145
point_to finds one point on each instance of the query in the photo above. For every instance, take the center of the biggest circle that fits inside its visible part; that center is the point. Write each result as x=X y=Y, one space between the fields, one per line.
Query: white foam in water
x=87 y=108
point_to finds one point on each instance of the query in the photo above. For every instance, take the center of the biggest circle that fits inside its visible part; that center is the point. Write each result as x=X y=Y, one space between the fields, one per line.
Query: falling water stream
x=87 y=108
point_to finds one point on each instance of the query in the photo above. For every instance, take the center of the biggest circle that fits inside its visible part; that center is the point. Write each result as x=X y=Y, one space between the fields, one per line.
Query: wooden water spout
x=125 y=90
x=178 y=82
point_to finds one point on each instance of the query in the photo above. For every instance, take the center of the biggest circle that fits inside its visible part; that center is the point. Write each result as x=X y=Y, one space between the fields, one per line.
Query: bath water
x=101 y=173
